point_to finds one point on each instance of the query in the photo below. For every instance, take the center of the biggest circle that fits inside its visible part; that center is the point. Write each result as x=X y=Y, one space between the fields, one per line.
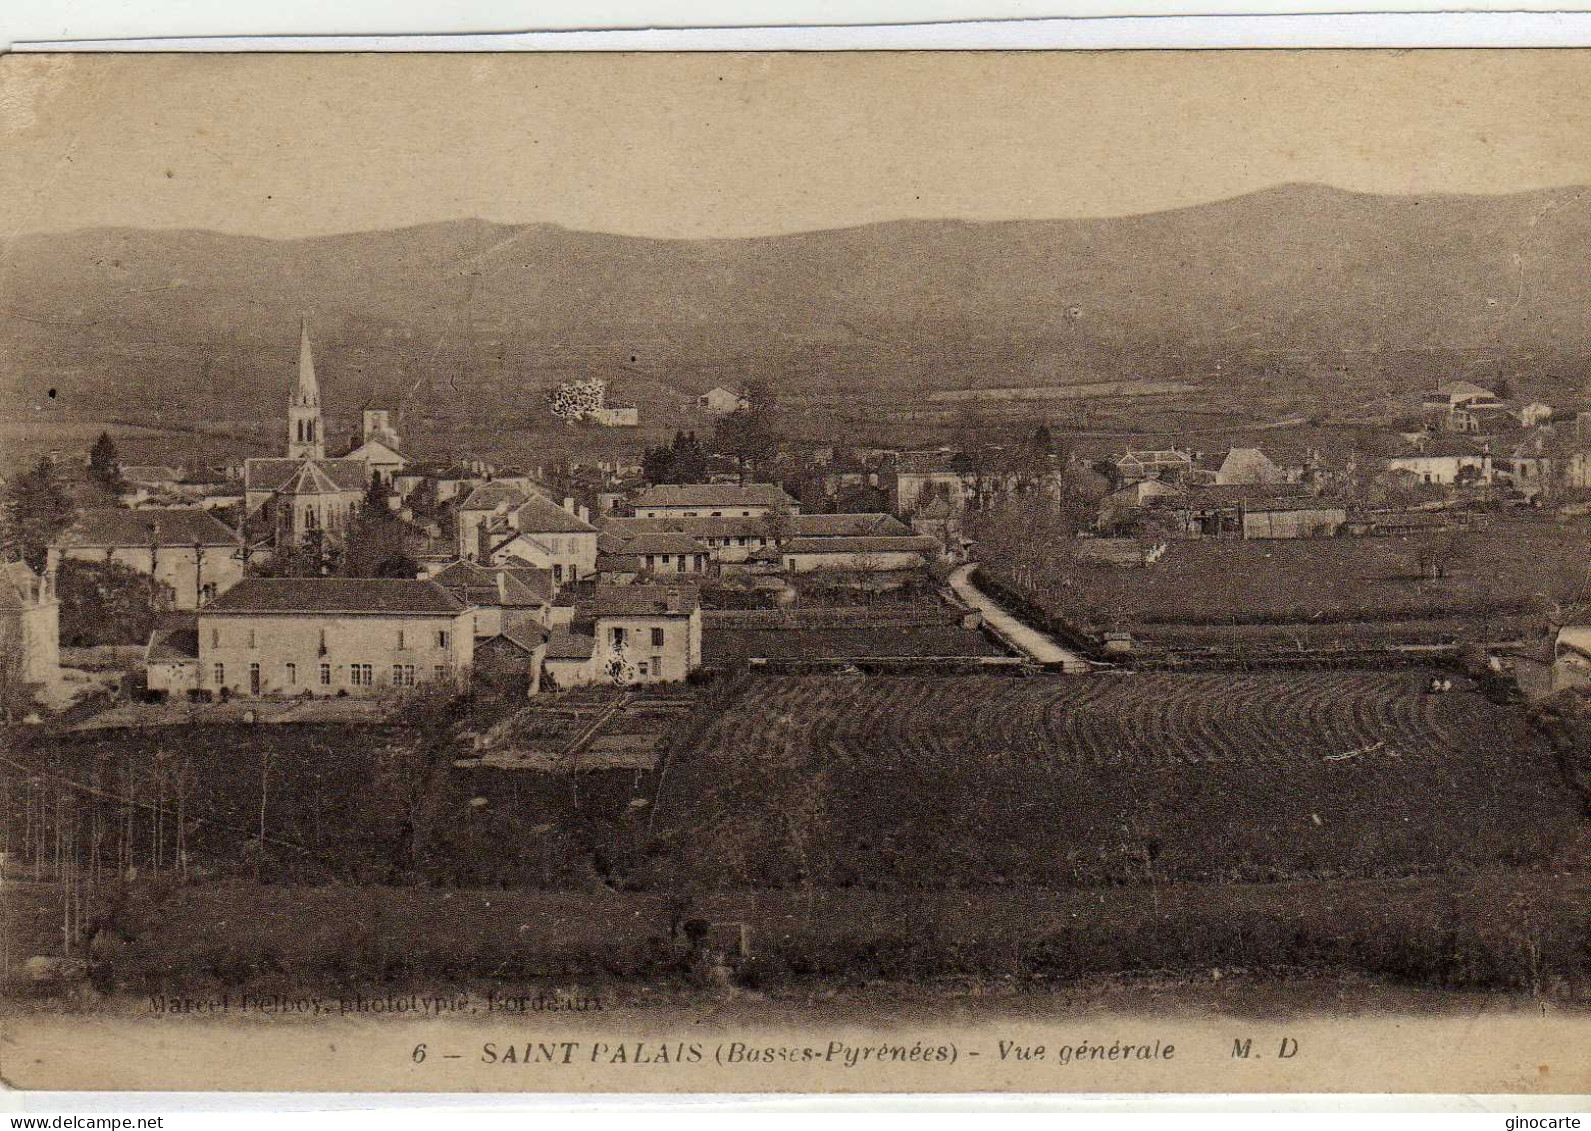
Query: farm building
x=524 y=529
x=737 y=539
x=1294 y=518
x=663 y=552
x=332 y=635
x=721 y=401
x=189 y=549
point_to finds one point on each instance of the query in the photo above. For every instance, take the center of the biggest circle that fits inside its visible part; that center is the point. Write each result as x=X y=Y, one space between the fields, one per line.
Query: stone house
x=711 y=500
x=637 y=634
x=325 y=636
x=187 y=548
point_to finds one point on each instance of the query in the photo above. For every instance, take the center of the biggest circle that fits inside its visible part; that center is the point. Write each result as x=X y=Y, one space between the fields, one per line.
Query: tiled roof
x=538 y=516
x=801 y=525
x=336 y=595
x=565 y=645
x=713 y=495
x=273 y=474
x=1242 y=494
x=872 y=544
x=646 y=600
x=150 y=474
x=495 y=585
x=488 y=496
x=178 y=526
x=527 y=636
x=619 y=563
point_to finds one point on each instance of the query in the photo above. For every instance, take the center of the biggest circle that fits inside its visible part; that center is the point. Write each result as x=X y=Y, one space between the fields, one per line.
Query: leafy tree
x=683 y=461
x=103 y=466
x=423 y=500
x=38 y=509
x=778 y=525
x=108 y=603
x=376 y=543
x=750 y=434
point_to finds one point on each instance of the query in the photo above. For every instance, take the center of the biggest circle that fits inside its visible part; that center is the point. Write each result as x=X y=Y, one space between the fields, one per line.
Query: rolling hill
x=1296 y=290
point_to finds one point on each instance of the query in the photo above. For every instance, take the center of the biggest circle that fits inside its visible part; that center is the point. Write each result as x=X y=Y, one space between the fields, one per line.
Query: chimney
x=502 y=587
x=569 y=503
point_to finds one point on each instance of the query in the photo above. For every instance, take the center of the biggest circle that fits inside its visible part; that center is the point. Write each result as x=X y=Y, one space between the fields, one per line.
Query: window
x=617 y=636
x=657 y=666
x=325 y=675
x=657 y=638
x=251 y=638
x=402 y=675
x=665 y=559
x=400 y=639
x=441 y=638
x=557 y=573
x=322 y=642
x=215 y=638
x=679 y=566
x=362 y=675
x=292 y=675
x=254 y=679
x=718 y=514
x=220 y=675
x=207 y=593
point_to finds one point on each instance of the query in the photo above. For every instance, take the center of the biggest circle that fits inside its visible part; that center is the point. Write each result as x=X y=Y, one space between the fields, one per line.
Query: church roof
x=308 y=391
x=274 y=474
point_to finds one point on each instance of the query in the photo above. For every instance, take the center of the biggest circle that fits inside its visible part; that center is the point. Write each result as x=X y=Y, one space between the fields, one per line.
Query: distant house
x=189 y=549
x=638 y=634
x=711 y=500
x=721 y=401
x=1164 y=463
x=1268 y=510
x=1461 y=406
x=30 y=626
x=324 y=636
x=618 y=414
x=1533 y=414
x=1445 y=461
x=731 y=540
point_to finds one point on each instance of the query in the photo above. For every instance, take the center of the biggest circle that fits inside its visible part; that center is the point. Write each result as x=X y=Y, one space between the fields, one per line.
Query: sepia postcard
x=1046 y=572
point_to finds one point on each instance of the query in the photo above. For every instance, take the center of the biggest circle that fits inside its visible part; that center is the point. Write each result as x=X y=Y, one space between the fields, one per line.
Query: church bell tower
x=305 y=437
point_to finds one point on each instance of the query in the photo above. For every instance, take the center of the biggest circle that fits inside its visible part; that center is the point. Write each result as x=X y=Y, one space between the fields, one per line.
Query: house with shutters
x=328 y=636
x=187 y=548
x=630 y=634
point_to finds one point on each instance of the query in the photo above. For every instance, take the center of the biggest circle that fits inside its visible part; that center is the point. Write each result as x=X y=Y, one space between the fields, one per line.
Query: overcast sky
x=715 y=145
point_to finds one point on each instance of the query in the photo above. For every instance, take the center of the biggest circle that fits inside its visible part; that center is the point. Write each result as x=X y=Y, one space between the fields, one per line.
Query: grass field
x=1512 y=568
x=1132 y=778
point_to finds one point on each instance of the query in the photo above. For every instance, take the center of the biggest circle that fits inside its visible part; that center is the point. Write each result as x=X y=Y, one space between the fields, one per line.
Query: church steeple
x=305 y=437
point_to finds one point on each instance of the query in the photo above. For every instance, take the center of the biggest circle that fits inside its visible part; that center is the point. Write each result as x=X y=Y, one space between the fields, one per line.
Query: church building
x=304 y=493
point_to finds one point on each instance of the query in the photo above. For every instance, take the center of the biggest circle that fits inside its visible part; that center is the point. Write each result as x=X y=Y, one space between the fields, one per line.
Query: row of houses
x=364 y=637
